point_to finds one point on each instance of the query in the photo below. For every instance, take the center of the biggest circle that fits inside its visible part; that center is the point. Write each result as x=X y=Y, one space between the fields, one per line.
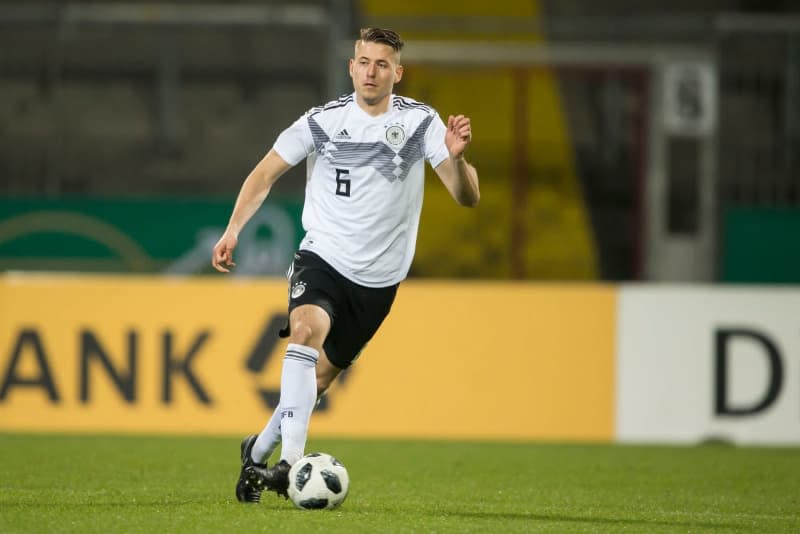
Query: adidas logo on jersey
x=342 y=134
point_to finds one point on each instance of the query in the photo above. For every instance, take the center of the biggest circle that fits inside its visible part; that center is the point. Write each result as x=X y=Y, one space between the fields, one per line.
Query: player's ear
x=398 y=73
x=350 y=66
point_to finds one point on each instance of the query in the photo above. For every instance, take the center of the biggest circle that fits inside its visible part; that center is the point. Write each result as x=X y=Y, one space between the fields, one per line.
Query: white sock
x=298 y=396
x=270 y=437
x=268 y=440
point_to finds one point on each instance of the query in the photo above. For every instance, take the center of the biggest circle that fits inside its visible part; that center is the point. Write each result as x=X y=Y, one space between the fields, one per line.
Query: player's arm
x=459 y=177
x=255 y=189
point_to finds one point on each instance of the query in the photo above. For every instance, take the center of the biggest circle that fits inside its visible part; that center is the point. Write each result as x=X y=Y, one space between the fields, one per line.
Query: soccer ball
x=318 y=481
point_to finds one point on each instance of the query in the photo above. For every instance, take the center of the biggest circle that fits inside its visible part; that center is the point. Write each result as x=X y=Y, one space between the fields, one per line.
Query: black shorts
x=356 y=311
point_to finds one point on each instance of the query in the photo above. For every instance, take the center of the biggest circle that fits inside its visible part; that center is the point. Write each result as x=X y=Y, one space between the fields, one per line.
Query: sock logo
x=287 y=413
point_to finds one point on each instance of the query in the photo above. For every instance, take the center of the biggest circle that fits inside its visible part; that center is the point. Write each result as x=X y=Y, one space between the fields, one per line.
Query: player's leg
x=309 y=283
x=319 y=294
x=310 y=310
x=270 y=437
x=309 y=325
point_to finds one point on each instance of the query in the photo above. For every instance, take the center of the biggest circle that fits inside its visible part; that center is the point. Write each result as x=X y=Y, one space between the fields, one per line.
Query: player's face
x=374 y=69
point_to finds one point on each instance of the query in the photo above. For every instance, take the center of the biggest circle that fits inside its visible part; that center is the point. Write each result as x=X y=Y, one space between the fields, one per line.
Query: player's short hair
x=382 y=36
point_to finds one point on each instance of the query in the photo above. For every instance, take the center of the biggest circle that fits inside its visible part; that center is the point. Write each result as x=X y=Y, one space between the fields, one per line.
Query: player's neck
x=374 y=108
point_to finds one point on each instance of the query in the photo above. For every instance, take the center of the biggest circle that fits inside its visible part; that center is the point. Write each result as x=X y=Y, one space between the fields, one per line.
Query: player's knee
x=302 y=333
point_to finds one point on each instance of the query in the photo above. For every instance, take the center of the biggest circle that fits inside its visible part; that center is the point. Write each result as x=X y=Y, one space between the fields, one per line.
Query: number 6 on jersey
x=342 y=184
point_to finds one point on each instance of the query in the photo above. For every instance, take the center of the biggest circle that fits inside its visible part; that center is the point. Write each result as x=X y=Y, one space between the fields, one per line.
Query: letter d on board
x=722 y=338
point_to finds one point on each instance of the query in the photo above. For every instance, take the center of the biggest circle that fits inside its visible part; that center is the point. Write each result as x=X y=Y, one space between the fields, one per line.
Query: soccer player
x=365 y=157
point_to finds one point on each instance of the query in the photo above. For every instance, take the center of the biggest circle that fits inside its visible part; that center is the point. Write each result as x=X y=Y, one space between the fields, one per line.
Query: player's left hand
x=458 y=136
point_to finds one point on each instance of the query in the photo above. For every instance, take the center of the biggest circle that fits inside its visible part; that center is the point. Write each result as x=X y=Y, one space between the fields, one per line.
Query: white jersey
x=364 y=183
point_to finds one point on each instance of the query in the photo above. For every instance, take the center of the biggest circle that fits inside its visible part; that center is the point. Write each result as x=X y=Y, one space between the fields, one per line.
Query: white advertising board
x=698 y=363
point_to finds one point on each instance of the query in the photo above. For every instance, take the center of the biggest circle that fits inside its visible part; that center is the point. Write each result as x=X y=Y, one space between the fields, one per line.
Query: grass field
x=57 y=483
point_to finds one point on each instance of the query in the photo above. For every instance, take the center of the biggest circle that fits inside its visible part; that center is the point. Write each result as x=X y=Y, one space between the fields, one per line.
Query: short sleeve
x=295 y=143
x=435 y=148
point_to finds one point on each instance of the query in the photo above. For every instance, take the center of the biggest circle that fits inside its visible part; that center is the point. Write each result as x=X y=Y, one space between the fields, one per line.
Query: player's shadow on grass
x=525 y=516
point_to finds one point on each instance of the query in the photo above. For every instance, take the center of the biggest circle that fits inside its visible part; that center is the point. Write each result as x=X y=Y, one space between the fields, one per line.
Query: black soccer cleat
x=246 y=491
x=275 y=478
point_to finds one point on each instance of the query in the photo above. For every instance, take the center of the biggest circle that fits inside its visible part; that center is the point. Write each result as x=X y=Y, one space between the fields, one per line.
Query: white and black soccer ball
x=318 y=481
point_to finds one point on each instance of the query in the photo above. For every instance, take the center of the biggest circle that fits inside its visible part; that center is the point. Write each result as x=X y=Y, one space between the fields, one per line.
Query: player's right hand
x=222 y=256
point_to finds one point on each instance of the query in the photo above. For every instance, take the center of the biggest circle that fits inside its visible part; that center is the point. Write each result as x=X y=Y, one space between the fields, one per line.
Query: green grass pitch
x=65 y=483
